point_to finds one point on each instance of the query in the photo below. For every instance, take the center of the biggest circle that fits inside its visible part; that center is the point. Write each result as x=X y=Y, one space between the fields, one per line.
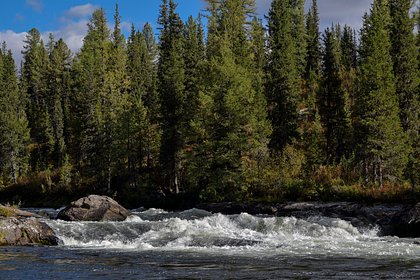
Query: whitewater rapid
x=243 y=234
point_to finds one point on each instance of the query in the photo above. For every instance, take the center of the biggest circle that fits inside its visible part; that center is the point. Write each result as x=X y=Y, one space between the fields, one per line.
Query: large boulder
x=25 y=231
x=94 y=208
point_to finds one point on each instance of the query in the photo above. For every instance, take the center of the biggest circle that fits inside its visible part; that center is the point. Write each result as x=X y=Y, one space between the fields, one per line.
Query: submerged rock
x=407 y=223
x=94 y=208
x=23 y=232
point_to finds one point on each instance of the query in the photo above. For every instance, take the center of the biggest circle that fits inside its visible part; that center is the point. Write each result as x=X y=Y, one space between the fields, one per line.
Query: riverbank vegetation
x=230 y=111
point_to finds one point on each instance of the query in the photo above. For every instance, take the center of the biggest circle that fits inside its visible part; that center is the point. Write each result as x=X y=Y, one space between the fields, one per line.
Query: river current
x=196 y=244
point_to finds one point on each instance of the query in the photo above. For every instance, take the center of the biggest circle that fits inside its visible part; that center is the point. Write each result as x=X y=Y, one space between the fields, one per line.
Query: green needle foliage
x=222 y=108
x=382 y=144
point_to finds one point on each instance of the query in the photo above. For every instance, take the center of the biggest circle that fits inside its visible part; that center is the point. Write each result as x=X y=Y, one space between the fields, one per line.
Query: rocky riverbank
x=21 y=228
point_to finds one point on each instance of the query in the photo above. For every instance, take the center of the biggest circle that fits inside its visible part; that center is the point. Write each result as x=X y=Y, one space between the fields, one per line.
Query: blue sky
x=68 y=18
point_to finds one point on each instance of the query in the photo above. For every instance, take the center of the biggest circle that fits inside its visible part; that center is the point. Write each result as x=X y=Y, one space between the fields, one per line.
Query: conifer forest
x=224 y=106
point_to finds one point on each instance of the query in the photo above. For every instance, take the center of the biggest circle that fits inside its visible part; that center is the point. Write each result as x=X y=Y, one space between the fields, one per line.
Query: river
x=196 y=244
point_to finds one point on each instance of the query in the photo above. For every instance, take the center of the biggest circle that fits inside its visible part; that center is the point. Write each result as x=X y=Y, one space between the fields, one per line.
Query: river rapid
x=196 y=244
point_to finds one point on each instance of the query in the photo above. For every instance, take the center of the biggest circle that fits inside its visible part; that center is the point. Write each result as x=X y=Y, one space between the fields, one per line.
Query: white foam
x=237 y=234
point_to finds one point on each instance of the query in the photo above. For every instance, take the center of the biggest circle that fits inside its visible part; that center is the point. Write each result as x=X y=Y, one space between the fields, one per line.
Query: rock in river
x=94 y=208
x=23 y=231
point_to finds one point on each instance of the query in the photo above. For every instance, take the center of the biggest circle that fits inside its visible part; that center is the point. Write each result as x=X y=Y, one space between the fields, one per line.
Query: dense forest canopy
x=232 y=110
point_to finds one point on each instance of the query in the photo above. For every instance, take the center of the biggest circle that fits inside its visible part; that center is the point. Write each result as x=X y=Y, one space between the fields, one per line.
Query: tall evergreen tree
x=14 y=131
x=59 y=91
x=299 y=33
x=381 y=141
x=96 y=92
x=142 y=129
x=34 y=85
x=171 y=81
x=407 y=75
x=332 y=99
x=232 y=116
x=313 y=59
x=349 y=61
x=194 y=58
x=282 y=86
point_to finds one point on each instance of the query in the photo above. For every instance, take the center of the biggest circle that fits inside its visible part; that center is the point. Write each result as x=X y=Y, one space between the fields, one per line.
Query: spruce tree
x=34 y=85
x=381 y=143
x=282 y=85
x=171 y=81
x=232 y=119
x=14 y=131
x=299 y=33
x=194 y=58
x=332 y=99
x=407 y=75
x=58 y=76
x=349 y=62
x=313 y=59
x=92 y=102
x=142 y=130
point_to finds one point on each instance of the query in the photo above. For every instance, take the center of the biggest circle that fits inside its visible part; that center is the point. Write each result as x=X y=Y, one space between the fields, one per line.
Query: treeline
x=237 y=112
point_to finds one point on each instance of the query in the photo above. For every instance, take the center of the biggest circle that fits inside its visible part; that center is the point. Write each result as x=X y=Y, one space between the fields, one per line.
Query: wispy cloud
x=81 y=11
x=19 y=17
x=36 y=5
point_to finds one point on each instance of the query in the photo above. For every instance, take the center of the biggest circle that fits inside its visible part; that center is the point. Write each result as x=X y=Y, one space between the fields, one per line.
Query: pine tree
x=349 y=62
x=58 y=76
x=34 y=86
x=14 y=131
x=381 y=142
x=92 y=99
x=282 y=85
x=299 y=34
x=143 y=131
x=313 y=59
x=171 y=81
x=232 y=119
x=151 y=98
x=332 y=99
x=407 y=77
x=194 y=57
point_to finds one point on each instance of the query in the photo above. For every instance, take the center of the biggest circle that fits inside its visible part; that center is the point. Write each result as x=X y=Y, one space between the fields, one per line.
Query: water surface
x=196 y=244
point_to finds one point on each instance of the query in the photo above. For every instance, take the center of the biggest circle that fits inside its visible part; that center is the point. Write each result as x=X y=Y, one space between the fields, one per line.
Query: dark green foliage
x=171 y=85
x=313 y=56
x=34 y=85
x=101 y=100
x=407 y=76
x=14 y=132
x=58 y=92
x=231 y=123
x=299 y=33
x=332 y=99
x=243 y=114
x=381 y=143
x=141 y=121
x=282 y=85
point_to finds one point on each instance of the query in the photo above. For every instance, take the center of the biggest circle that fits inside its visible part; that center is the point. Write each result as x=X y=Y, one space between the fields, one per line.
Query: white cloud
x=331 y=11
x=36 y=5
x=73 y=30
x=81 y=11
x=14 y=42
x=73 y=33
